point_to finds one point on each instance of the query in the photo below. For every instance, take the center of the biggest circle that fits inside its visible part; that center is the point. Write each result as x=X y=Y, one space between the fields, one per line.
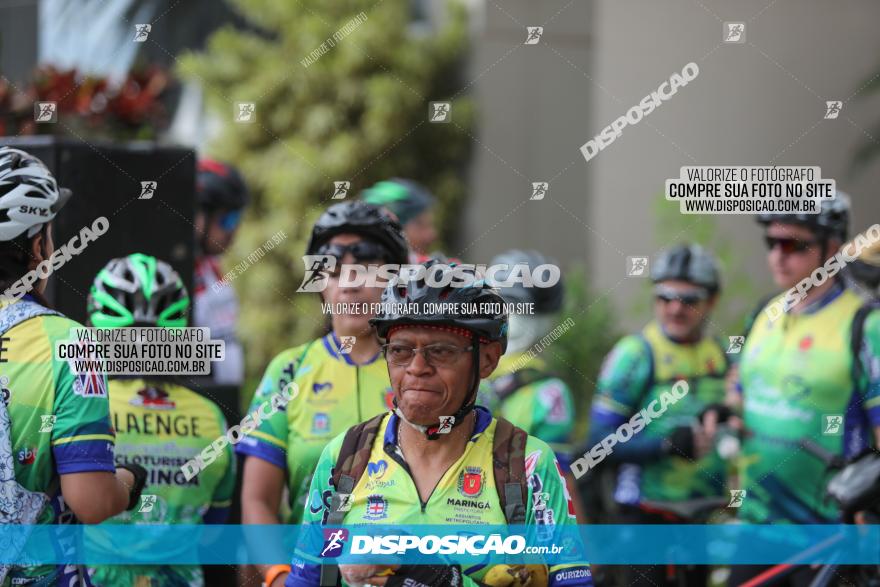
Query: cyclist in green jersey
x=431 y=460
x=802 y=375
x=413 y=205
x=522 y=389
x=159 y=423
x=335 y=384
x=671 y=458
x=54 y=423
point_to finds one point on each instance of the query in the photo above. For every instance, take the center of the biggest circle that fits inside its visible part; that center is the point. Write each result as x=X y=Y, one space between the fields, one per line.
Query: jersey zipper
x=393 y=454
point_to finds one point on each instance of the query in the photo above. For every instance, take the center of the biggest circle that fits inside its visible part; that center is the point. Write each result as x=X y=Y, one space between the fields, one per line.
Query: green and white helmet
x=138 y=290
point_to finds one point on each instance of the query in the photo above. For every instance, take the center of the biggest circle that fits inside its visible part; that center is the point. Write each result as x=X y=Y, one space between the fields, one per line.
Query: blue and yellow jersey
x=60 y=421
x=796 y=376
x=638 y=371
x=466 y=494
x=161 y=426
x=332 y=394
x=544 y=408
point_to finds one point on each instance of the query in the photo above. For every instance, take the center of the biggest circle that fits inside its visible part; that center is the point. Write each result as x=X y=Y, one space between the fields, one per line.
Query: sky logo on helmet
x=539 y=190
x=340 y=190
x=148 y=190
x=636 y=266
x=334 y=541
x=318 y=270
x=46 y=112
x=440 y=112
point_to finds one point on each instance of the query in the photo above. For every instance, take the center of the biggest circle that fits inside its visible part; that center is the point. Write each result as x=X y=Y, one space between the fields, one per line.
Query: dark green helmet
x=138 y=290
x=406 y=198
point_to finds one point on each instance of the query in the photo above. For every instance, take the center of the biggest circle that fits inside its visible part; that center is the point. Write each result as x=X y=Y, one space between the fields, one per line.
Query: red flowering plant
x=88 y=105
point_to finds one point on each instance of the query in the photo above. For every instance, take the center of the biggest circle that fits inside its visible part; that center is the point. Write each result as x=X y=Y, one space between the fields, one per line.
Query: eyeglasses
x=788 y=246
x=688 y=298
x=436 y=355
x=361 y=251
x=230 y=220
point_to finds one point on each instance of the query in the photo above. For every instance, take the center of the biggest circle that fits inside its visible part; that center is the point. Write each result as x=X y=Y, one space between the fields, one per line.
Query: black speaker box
x=106 y=181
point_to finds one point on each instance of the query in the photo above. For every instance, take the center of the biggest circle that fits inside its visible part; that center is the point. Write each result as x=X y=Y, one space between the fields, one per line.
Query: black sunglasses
x=788 y=245
x=361 y=251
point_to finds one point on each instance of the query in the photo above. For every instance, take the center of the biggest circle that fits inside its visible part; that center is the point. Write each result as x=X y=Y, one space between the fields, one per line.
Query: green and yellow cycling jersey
x=796 y=376
x=637 y=371
x=60 y=421
x=466 y=494
x=332 y=394
x=161 y=426
x=542 y=406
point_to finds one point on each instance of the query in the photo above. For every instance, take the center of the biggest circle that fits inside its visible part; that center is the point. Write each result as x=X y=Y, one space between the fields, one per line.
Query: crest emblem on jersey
x=153 y=398
x=90 y=384
x=377 y=508
x=470 y=481
x=320 y=423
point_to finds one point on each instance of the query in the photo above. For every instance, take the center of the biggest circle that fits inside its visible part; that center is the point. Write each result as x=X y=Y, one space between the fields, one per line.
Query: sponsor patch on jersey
x=470 y=481
x=553 y=400
x=805 y=343
x=377 y=508
x=319 y=388
x=27 y=456
x=467 y=503
x=152 y=398
x=377 y=470
x=90 y=384
x=320 y=423
x=532 y=462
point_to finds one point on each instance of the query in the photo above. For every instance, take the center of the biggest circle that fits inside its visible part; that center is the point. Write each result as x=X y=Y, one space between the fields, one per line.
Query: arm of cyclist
x=623 y=382
x=79 y=491
x=869 y=356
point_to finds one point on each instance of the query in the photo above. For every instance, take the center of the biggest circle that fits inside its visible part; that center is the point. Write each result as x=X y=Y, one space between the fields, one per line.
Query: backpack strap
x=354 y=455
x=857 y=337
x=509 y=463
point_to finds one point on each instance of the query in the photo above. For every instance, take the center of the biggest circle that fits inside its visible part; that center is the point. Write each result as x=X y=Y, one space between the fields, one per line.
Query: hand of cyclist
x=366 y=574
x=425 y=576
x=689 y=442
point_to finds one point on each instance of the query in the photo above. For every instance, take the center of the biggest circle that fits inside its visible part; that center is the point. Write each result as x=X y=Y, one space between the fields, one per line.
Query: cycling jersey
x=334 y=394
x=161 y=426
x=797 y=382
x=60 y=421
x=637 y=371
x=466 y=494
x=543 y=407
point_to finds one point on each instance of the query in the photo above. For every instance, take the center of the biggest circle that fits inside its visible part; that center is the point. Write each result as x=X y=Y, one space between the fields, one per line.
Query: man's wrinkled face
x=426 y=391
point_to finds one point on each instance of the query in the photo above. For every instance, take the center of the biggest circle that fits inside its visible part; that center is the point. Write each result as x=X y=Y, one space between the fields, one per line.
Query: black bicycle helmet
x=417 y=295
x=219 y=186
x=545 y=299
x=406 y=198
x=831 y=221
x=691 y=263
x=364 y=219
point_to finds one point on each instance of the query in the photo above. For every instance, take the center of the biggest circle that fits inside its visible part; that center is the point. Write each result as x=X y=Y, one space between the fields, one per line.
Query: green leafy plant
x=357 y=112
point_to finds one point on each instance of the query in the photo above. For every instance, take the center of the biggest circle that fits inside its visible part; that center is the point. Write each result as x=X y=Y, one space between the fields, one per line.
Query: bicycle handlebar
x=831 y=460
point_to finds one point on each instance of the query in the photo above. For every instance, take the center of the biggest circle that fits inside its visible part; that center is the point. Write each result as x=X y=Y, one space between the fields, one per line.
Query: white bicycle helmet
x=29 y=194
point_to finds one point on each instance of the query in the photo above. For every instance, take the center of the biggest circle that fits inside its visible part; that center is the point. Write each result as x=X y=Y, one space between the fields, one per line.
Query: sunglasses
x=230 y=220
x=361 y=251
x=688 y=298
x=788 y=245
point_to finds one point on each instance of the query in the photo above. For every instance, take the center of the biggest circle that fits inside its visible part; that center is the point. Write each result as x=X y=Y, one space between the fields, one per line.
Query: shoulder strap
x=509 y=464
x=506 y=385
x=354 y=455
x=857 y=336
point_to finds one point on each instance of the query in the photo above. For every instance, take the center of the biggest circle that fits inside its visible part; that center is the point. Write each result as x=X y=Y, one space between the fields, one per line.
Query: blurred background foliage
x=359 y=113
